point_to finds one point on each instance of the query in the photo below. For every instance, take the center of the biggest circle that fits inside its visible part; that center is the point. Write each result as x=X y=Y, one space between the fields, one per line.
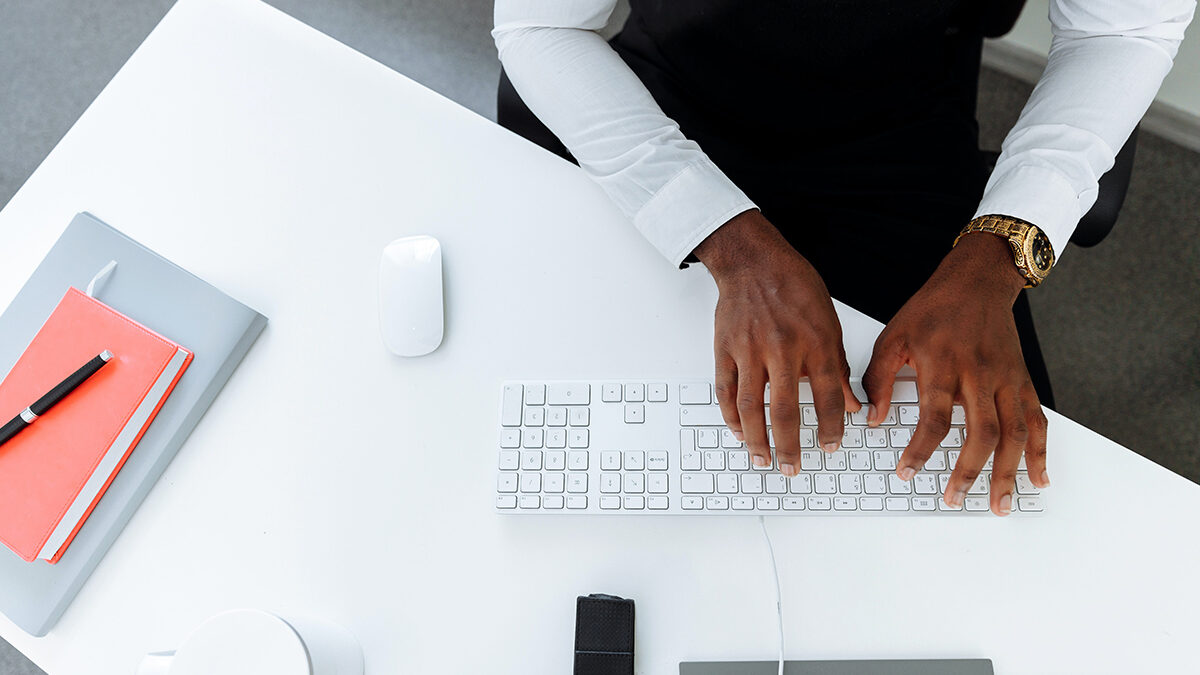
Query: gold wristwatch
x=1032 y=253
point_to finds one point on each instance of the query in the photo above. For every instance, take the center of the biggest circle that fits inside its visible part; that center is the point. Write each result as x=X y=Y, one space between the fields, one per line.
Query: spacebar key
x=701 y=416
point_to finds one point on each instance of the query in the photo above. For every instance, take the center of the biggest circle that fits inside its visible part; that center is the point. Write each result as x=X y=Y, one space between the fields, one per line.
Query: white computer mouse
x=411 y=311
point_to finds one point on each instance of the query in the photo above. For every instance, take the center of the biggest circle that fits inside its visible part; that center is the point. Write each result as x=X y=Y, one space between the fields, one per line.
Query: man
x=798 y=148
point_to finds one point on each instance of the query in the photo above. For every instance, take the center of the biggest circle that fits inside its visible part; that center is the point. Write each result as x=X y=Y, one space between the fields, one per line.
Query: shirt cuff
x=692 y=205
x=1036 y=195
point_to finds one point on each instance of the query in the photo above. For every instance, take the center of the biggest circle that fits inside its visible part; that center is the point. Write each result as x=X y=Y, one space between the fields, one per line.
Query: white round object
x=411 y=310
x=242 y=642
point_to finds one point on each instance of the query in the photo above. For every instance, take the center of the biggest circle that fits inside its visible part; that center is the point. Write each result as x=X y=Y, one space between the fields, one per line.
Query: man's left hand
x=958 y=333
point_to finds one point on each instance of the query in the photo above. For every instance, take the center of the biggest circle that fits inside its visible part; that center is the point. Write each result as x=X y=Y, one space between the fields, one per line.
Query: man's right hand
x=775 y=323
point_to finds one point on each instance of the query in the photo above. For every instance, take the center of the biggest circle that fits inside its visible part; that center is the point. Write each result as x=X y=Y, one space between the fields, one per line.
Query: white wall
x=1181 y=89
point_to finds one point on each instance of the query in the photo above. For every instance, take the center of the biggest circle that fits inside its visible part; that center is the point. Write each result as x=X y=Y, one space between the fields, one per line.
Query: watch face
x=1041 y=252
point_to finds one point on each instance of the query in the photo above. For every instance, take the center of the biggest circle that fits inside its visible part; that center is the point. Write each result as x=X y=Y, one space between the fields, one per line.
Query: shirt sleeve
x=583 y=92
x=1106 y=63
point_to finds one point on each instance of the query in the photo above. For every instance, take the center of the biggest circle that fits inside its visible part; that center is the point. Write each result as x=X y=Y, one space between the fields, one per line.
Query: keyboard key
x=870 y=503
x=578 y=417
x=610 y=393
x=535 y=417
x=610 y=483
x=635 y=393
x=924 y=504
x=943 y=506
x=807 y=439
x=860 y=460
x=909 y=414
x=896 y=503
x=819 y=503
x=727 y=483
x=943 y=481
x=904 y=391
x=936 y=461
x=714 y=460
x=885 y=460
x=556 y=438
x=980 y=486
x=752 y=483
x=1031 y=504
x=695 y=393
x=510 y=438
x=510 y=460
x=707 y=438
x=767 y=503
x=776 y=484
x=793 y=503
x=808 y=416
x=716 y=503
x=577 y=482
x=691 y=503
x=656 y=460
x=578 y=438
x=531 y=460
x=577 y=502
x=510 y=407
x=1024 y=485
x=958 y=416
x=506 y=501
x=900 y=437
x=697 y=483
x=555 y=460
x=656 y=483
x=810 y=460
x=531 y=438
x=743 y=503
x=554 y=482
x=531 y=482
x=658 y=503
x=826 y=484
x=635 y=413
x=897 y=486
x=556 y=417
x=859 y=419
x=506 y=482
x=535 y=394
x=530 y=501
x=635 y=460
x=700 y=416
x=635 y=503
x=577 y=461
x=800 y=484
x=728 y=440
x=952 y=458
x=569 y=393
x=976 y=503
x=925 y=484
x=953 y=439
x=552 y=502
x=635 y=483
x=850 y=484
x=690 y=461
x=835 y=461
x=739 y=460
x=656 y=393
x=610 y=460
x=890 y=418
x=852 y=438
x=874 y=484
x=876 y=437
x=610 y=502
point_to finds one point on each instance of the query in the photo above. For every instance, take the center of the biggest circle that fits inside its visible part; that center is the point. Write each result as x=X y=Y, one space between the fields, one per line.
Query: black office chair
x=982 y=20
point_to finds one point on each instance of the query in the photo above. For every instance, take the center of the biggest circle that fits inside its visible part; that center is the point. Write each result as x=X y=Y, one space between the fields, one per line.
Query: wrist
x=746 y=237
x=985 y=261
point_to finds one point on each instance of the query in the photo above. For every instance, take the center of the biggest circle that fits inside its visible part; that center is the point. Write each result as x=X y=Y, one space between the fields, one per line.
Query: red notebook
x=54 y=472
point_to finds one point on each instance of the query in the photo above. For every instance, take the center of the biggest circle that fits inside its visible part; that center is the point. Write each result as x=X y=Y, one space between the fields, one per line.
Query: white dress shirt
x=1106 y=63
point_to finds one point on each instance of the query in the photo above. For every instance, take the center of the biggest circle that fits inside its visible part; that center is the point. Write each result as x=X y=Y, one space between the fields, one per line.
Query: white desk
x=276 y=163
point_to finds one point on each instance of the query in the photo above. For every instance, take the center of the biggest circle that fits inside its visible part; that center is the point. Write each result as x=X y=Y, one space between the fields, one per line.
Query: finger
x=785 y=420
x=936 y=395
x=750 y=384
x=726 y=389
x=852 y=402
x=983 y=434
x=1035 y=449
x=1014 y=433
x=887 y=357
x=826 y=380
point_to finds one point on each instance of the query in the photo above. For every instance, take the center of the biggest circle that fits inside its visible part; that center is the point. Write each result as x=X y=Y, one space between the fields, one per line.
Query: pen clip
x=98 y=281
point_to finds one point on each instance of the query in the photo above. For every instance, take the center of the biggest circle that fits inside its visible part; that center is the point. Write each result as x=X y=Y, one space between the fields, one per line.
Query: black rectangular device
x=603 y=635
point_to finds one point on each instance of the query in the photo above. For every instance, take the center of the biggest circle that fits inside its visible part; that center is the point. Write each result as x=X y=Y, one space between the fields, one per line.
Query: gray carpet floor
x=1120 y=323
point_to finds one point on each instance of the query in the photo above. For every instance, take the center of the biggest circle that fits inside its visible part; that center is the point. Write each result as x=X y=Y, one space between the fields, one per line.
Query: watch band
x=1016 y=232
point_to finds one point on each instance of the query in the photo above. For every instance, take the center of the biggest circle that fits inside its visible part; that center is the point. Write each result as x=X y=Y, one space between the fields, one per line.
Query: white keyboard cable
x=778 y=594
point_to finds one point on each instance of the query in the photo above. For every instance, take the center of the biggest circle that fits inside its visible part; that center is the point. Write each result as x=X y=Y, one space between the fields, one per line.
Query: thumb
x=886 y=359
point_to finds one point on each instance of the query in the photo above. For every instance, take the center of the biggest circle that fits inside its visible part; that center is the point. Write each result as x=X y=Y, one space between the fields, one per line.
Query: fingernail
x=738 y=435
x=787 y=469
x=1006 y=504
x=907 y=472
x=871 y=413
x=759 y=460
x=1045 y=479
x=830 y=446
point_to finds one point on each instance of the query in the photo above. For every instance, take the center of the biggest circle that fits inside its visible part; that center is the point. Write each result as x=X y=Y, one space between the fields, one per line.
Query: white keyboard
x=662 y=447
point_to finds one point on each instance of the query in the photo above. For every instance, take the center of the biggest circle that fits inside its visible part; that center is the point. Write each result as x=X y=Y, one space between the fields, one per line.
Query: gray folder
x=165 y=298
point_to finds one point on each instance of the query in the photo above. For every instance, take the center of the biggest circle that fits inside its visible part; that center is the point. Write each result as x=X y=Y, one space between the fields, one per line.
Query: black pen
x=52 y=399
